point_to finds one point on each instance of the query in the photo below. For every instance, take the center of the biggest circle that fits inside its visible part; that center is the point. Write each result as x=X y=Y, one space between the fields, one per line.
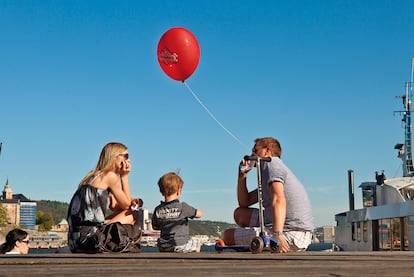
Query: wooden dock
x=212 y=264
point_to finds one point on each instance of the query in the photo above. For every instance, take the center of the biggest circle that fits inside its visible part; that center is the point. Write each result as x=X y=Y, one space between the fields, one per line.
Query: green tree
x=57 y=209
x=4 y=217
x=44 y=220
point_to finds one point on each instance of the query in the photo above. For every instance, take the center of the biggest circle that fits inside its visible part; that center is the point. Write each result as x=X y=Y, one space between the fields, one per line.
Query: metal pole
x=260 y=195
x=351 y=190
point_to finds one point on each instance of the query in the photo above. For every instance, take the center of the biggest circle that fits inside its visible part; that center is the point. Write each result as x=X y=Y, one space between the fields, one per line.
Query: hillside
x=58 y=211
x=210 y=228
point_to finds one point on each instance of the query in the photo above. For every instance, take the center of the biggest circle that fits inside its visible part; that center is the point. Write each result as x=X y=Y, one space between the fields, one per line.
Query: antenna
x=412 y=73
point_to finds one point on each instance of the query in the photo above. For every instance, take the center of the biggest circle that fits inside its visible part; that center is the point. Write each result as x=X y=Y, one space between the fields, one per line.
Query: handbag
x=119 y=238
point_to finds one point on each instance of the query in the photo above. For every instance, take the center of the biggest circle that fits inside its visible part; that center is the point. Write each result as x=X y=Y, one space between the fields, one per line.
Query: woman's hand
x=137 y=202
x=125 y=167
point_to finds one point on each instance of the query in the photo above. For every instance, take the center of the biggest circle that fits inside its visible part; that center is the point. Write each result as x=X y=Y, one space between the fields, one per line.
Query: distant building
x=21 y=210
x=144 y=221
x=325 y=234
x=62 y=226
x=149 y=236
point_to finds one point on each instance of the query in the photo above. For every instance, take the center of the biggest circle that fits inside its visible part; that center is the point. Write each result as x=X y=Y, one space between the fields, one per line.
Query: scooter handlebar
x=256 y=158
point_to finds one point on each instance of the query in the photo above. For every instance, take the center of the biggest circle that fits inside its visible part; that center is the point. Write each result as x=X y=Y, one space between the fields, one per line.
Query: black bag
x=121 y=238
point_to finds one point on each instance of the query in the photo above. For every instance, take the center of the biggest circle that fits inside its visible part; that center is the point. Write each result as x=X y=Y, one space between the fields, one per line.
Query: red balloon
x=178 y=53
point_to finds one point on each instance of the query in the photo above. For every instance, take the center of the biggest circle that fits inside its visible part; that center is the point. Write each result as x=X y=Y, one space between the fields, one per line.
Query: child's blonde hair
x=170 y=183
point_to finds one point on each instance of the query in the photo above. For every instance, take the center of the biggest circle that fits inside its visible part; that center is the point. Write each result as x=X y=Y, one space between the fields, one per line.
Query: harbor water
x=204 y=248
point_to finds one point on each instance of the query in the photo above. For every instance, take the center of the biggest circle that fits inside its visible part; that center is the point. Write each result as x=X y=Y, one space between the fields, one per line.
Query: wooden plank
x=212 y=264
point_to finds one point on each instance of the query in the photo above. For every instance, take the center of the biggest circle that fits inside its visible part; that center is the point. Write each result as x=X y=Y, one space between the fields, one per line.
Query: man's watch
x=277 y=233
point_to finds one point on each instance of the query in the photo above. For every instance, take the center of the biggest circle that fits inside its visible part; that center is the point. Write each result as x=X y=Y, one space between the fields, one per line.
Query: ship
x=46 y=241
x=386 y=221
x=149 y=238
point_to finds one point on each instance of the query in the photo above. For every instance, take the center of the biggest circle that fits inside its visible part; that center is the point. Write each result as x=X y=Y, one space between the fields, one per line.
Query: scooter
x=262 y=241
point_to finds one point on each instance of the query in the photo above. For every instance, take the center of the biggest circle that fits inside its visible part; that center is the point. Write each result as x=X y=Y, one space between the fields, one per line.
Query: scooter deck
x=219 y=247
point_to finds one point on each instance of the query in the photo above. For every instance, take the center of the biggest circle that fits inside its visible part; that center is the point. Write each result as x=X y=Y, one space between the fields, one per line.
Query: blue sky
x=321 y=76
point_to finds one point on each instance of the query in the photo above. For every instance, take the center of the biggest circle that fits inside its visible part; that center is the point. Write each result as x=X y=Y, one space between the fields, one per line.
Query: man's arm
x=244 y=197
x=279 y=212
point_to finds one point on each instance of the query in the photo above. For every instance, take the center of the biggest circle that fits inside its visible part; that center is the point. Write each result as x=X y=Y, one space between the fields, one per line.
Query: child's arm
x=154 y=221
x=198 y=214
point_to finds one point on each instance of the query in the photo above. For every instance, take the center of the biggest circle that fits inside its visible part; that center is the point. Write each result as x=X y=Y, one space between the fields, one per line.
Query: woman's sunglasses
x=126 y=156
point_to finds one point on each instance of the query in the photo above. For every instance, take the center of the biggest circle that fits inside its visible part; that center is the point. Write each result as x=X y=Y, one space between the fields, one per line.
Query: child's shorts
x=192 y=245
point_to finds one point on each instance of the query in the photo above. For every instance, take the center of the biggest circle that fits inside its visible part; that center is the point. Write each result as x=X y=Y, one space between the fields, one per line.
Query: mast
x=408 y=157
x=405 y=151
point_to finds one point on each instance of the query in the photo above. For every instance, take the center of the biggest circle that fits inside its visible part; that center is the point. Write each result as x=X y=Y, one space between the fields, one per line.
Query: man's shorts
x=297 y=240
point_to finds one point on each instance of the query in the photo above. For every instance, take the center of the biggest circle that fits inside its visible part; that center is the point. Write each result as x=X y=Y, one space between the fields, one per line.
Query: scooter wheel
x=274 y=246
x=219 y=245
x=218 y=248
x=256 y=245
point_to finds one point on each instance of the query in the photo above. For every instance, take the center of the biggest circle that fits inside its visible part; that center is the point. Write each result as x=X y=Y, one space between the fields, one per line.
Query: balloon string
x=213 y=117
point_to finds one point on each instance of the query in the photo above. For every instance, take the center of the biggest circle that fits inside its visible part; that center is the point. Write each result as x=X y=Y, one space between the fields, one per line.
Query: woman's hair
x=106 y=160
x=170 y=183
x=270 y=143
x=11 y=238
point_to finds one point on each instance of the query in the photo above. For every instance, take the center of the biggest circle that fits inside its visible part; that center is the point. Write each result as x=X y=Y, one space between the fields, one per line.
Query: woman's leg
x=123 y=216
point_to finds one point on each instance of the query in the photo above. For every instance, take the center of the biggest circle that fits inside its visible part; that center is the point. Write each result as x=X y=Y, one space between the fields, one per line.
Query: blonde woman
x=103 y=197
